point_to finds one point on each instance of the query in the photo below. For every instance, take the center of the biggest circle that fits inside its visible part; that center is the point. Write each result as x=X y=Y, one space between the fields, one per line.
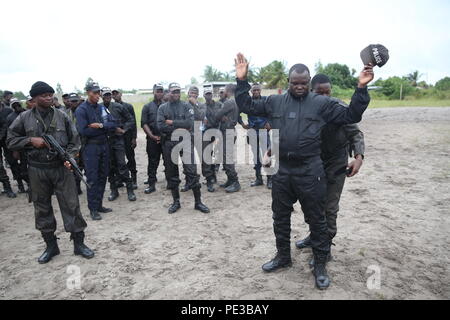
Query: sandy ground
x=394 y=219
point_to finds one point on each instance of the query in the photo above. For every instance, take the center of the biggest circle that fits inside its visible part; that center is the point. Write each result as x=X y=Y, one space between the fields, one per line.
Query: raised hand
x=241 y=66
x=365 y=76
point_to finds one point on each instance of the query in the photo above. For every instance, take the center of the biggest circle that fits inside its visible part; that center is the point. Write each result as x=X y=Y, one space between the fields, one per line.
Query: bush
x=443 y=84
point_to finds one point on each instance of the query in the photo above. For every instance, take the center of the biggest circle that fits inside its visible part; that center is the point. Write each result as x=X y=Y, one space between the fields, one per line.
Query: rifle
x=65 y=156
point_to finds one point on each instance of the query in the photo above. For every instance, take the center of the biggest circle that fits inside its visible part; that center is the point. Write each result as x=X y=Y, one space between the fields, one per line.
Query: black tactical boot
x=305 y=243
x=234 y=187
x=258 y=182
x=114 y=194
x=130 y=192
x=198 y=201
x=312 y=261
x=134 y=178
x=95 y=215
x=269 y=182
x=214 y=179
x=176 y=201
x=210 y=185
x=279 y=262
x=151 y=188
x=52 y=247
x=8 y=190
x=320 y=272
x=80 y=249
x=20 y=186
x=226 y=184
x=105 y=210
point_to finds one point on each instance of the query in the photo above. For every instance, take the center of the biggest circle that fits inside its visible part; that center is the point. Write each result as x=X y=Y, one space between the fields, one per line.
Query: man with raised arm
x=300 y=115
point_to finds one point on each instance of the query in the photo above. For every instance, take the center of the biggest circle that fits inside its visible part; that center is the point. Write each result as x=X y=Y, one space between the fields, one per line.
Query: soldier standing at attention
x=177 y=114
x=130 y=138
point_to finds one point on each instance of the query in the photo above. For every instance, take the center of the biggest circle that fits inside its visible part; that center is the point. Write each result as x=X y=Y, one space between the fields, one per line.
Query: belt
x=295 y=156
x=45 y=165
x=93 y=141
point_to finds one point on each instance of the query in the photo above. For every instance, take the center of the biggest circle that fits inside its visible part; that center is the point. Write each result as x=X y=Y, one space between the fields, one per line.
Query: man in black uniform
x=199 y=116
x=337 y=143
x=5 y=111
x=210 y=122
x=173 y=115
x=47 y=172
x=66 y=102
x=130 y=137
x=300 y=117
x=118 y=171
x=227 y=117
x=7 y=96
x=17 y=160
x=258 y=123
x=154 y=147
x=73 y=101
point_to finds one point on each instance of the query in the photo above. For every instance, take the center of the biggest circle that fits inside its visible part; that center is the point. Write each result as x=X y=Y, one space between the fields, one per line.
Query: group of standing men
x=316 y=136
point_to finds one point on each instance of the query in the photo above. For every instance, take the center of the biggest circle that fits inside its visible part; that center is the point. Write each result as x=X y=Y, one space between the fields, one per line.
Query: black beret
x=40 y=87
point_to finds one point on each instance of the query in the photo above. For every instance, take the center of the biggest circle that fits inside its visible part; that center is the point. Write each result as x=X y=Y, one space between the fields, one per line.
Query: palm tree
x=210 y=74
x=274 y=75
x=414 y=77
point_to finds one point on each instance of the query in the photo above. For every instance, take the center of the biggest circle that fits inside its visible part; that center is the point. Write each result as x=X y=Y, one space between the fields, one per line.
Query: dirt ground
x=394 y=222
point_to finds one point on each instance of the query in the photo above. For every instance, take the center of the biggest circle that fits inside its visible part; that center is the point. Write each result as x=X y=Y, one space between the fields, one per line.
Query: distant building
x=215 y=85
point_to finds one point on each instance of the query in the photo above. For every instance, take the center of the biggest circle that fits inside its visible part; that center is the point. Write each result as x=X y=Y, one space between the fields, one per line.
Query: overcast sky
x=133 y=44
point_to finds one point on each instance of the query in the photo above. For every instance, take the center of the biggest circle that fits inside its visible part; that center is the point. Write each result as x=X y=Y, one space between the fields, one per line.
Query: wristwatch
x=101 y=125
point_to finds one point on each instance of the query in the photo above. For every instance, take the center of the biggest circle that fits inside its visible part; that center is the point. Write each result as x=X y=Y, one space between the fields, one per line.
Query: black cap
x=93 y=86
x=375 y=54
x=158 y=86
x=174 y=86
x=65 y=96
x=73 y=96
x=40 y=87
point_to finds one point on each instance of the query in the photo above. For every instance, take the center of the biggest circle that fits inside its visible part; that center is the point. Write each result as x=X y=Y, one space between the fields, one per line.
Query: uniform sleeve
x=129 y=124
x=355 y=138
x=337 y=113
x=17 y=138
x=83 y=122
x=133 y=116
x=161 y=122
x=145 y=115
x=247 y=105
x=74 y=145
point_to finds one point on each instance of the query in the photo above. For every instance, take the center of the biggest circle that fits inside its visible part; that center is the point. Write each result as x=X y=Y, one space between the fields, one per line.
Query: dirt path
x=394 y=218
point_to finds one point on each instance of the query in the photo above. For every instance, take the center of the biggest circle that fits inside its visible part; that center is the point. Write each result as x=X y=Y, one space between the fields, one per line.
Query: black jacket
x=300 y=120
x=133 y=131
x=229 y=110
x=122 y=116
x=149 y=117
x=180 y=112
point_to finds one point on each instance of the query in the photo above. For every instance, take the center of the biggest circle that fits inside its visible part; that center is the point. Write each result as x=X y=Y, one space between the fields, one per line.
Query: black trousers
x=154 y=154
x=19 y=167
x=302 y=181
x=257 y=150
x=118 y=171
x=228 y=155
x=3 y=175
x=335 y=186
x=171 y=168
x=43 y=182
x=129 y=152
